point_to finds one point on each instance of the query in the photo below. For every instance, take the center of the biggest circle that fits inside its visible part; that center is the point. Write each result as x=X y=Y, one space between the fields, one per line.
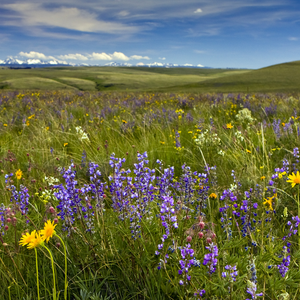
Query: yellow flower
x=124 y=121
x=213 y=195
x=5 y=125
x=27 y=238
x=269 y=202
x=48 y=230
x=248 y=151
x=39 y=240
x=162 y=142
x=19 y=174
x=229 y=126
x=262 y=177
x=294 y=179
x=65 y=144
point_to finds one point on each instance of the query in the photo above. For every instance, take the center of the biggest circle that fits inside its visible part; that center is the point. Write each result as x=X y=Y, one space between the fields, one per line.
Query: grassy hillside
x=107 y=78
x=278 y=78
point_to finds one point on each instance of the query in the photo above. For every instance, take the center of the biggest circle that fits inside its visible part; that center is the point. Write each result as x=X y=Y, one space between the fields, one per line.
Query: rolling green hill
x=277 y=78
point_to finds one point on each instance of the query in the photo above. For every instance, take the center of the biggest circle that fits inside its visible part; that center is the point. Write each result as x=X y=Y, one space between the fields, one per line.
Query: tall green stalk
x=66 y=267
x=37 y=274
x=53 y=271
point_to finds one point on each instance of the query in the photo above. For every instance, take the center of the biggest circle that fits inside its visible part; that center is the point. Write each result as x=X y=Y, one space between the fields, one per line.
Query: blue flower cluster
x=210 y=258
x=185 y=263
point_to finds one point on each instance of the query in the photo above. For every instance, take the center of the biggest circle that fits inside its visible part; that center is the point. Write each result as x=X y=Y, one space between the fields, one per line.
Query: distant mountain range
x=14 y=63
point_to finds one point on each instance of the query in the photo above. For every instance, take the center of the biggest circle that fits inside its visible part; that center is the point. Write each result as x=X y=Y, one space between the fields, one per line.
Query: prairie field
x=133 y=194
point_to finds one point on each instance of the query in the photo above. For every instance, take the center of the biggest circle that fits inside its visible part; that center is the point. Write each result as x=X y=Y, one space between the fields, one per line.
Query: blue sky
x=214 y=33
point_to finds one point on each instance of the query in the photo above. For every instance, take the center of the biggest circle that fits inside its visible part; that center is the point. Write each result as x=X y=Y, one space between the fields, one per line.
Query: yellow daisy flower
x=39 y=240
x=229 y=126
x=269 y=202
x=48 y=230
x=19 y=174
x=27 y=238
x=213 y=195
x=294 y=179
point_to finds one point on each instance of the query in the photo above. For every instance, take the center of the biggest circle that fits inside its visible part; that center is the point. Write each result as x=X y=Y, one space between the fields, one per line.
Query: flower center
x=297 y=180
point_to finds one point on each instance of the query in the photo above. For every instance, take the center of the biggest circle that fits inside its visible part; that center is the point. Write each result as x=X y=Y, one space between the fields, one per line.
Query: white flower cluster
x=244 y=116
x=81 y=134
x=221 y=152
x=207 y=137
x=239 y=135
x=51 y=180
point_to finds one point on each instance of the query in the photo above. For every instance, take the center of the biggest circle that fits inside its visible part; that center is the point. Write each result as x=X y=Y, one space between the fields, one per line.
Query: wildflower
x=229 y=126
x=213 y=195
x=27 y=238
x=124 y=121
x=19 y=174
x=5 y=125
x=48 y=230
x=269 y=202
x=65 y=144
x=262 y=177
x=248 y=151
x=294 y=179
x=162 y=142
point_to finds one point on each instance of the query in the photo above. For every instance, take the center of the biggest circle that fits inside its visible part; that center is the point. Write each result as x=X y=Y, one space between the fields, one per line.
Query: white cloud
x=76 y=56
x=123 y=13
x=64 y=17
x=293 y=38
x=199 y=10
x=115 y=56
x=33 y=54
x=199 y=51
x=139 y=57
x=200 y=66
x=162 y=58
x=140 y=64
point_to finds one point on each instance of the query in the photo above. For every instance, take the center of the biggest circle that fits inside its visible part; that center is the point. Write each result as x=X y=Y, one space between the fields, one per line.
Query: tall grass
x=202 y=194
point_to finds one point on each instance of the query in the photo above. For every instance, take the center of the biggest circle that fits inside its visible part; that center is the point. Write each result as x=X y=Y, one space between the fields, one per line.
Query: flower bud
x=189 y=239
x=8 y=220
x=51 y=210
x=6 y=227
x=213 y=236
x=201 y=225
x=208 y=240
x=55 y=221
x=5 y=244
x=200 y=235
x=57 y=245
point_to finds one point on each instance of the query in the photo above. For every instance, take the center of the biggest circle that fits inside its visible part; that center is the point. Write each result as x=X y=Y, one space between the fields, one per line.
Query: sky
x=213 y=33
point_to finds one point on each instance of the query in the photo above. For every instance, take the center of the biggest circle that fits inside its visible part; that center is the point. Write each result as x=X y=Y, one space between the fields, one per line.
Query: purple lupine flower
x=185 y=263
x=251 y=289
x=231 y=274
x=276 y=128
x=199 y=293
x=210 y=258
x=2 y=217
x=20 y=199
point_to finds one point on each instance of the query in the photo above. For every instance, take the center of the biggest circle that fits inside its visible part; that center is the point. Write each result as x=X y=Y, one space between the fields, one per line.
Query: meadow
x=139 y=195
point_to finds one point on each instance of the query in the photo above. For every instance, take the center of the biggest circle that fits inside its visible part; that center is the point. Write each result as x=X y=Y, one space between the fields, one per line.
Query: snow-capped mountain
x=13 y=62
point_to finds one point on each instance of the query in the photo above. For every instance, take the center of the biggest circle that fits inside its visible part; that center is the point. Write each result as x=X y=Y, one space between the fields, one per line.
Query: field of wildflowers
x=149 y=196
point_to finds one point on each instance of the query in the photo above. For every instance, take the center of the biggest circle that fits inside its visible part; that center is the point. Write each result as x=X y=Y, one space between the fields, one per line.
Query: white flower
x=81 y=134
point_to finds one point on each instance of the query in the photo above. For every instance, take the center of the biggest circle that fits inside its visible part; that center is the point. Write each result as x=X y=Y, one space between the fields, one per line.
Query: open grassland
x=106 y=78
x=278 y=78
x=149 y=195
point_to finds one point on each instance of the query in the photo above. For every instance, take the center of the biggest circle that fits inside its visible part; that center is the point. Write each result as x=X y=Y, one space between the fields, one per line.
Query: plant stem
x=37 y=274
x=66 y=267
x=53 y=271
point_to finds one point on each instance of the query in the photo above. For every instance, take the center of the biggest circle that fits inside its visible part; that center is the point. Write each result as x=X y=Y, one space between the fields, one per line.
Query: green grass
x=42 y=133
x=278 y=78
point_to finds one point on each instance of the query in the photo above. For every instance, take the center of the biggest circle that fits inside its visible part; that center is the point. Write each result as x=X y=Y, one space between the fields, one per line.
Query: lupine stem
x=37 y=274
x=53 y=271
x=66 y=268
